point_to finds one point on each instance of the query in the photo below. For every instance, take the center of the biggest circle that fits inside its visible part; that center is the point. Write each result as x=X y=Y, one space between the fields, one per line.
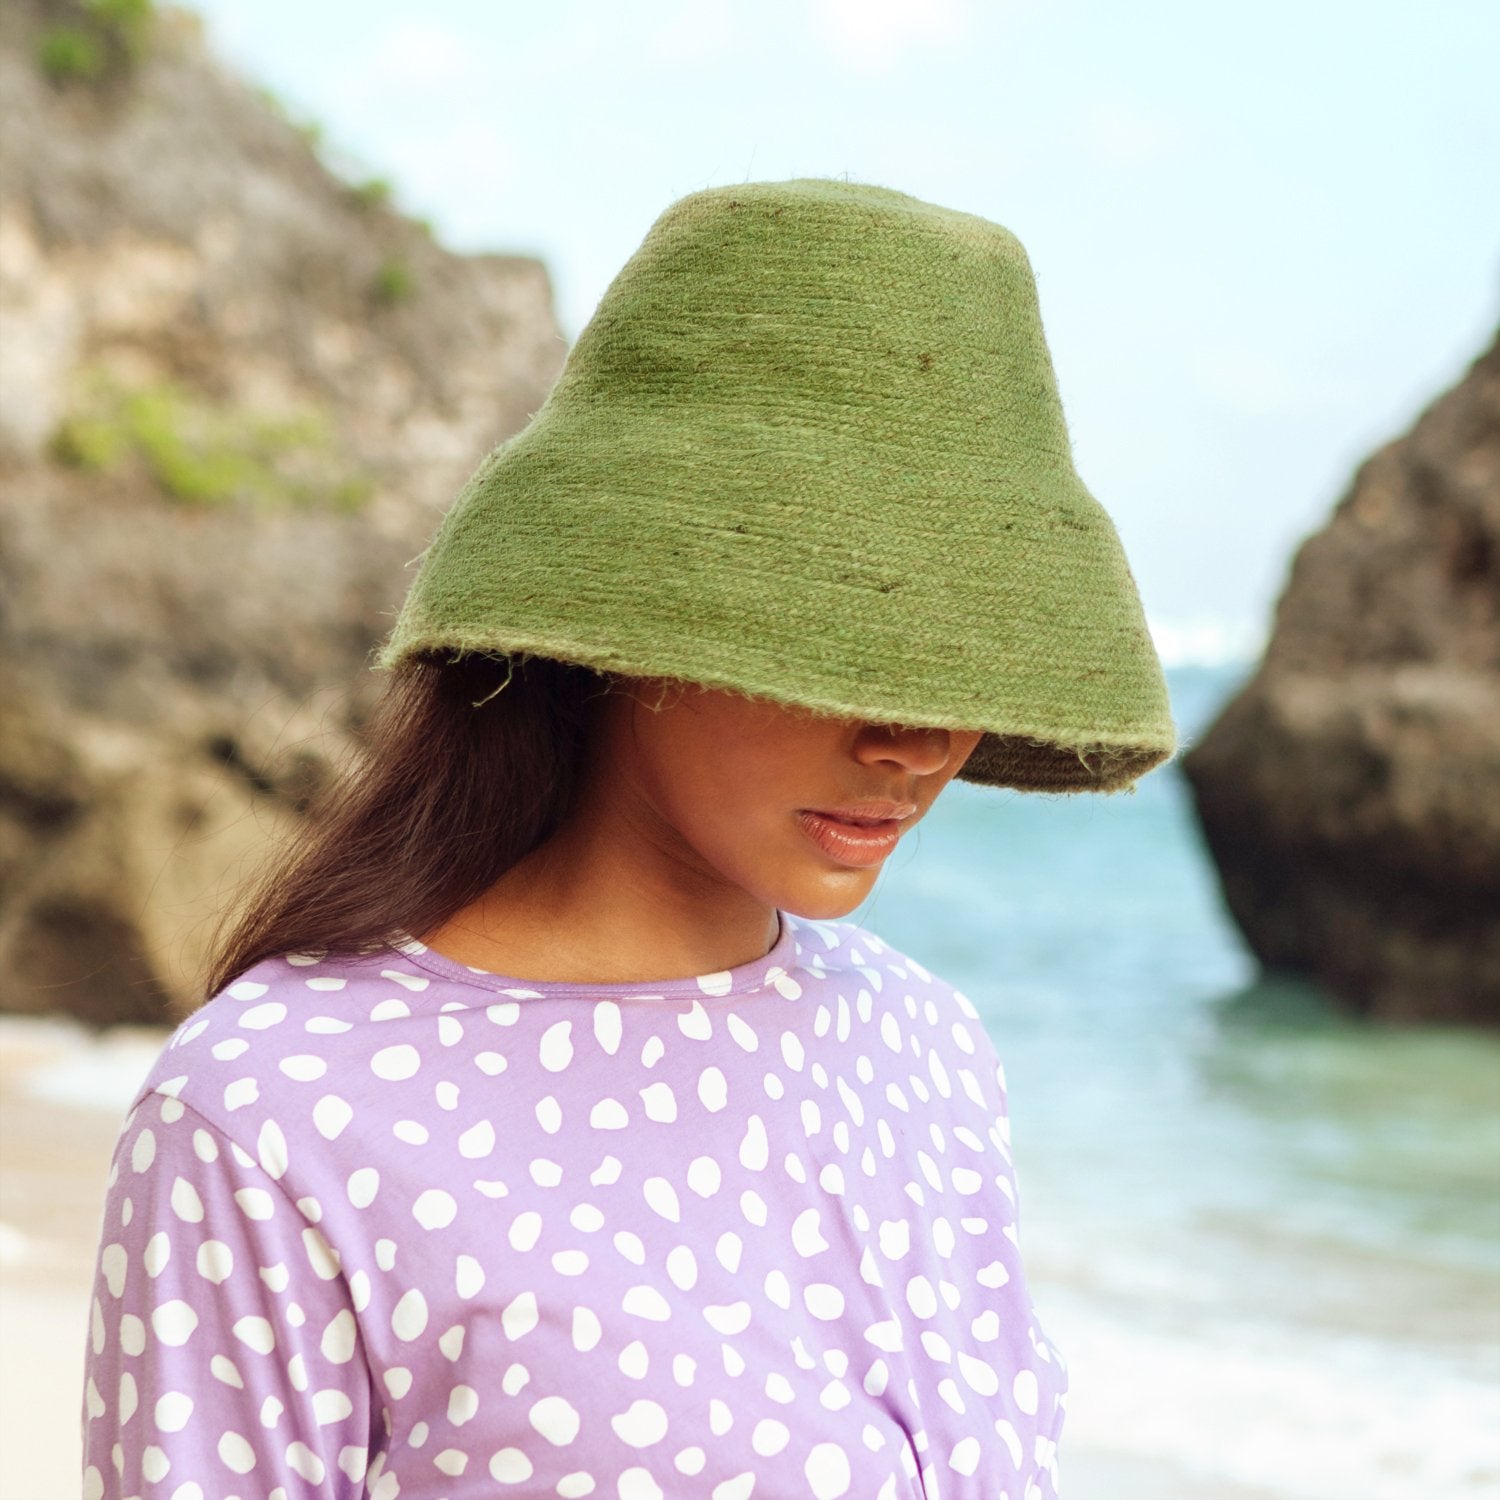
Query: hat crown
x=848 y=307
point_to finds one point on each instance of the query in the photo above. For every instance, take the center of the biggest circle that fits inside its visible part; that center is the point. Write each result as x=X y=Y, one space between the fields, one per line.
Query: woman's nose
x=920 y=749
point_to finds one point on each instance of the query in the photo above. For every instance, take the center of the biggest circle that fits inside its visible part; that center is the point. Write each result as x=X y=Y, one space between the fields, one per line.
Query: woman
x=548 y=1130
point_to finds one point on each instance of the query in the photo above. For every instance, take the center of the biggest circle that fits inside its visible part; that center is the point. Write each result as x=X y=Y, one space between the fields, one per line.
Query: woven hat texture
x=810 y=448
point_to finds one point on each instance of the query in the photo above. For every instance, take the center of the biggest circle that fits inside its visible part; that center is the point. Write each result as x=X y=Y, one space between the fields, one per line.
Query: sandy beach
x=63 y=1093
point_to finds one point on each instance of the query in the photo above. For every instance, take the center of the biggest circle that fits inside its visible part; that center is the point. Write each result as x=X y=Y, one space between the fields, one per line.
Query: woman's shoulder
x=848 y=949
x=894 y=989
x=277 y=1027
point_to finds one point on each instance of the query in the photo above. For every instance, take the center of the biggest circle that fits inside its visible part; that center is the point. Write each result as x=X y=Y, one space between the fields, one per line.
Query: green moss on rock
x=69 y=54
x=104 y=39
x=373 y=192
x=395 y=282
x=201 y=452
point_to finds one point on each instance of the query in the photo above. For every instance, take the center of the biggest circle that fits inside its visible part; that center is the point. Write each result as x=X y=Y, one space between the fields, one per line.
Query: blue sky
x=1264 y=236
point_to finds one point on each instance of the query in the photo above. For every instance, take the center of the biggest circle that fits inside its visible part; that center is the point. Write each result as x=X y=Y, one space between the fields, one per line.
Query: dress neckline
x=743 y=979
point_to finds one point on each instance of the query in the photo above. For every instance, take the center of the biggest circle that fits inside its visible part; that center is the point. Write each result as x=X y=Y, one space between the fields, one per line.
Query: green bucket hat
x=810 y=448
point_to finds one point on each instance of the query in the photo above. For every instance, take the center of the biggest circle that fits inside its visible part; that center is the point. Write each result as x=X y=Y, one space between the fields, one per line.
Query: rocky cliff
x=236 y=392
x=1350 y=793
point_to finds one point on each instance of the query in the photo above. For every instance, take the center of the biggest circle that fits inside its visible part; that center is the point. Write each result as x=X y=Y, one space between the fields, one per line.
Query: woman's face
x=755 y=794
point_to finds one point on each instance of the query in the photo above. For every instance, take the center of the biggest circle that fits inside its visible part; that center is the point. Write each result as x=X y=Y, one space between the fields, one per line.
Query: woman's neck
x=604 y=902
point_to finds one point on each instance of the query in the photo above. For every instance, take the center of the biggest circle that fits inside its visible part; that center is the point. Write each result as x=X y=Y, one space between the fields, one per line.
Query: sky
x=1264 y=237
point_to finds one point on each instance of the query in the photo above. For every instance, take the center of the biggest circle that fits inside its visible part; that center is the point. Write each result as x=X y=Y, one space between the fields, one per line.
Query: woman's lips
x=856 y=844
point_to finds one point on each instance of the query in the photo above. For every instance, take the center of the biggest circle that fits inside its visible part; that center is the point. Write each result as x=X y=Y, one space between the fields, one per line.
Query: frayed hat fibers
x=810 y=448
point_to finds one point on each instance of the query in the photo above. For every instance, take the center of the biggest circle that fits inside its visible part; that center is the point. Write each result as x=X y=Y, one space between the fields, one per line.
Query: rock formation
x=236 y=393
x=1350 y=793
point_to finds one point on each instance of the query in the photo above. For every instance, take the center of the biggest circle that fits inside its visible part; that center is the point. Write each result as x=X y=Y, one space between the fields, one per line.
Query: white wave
x=58 y=1060
x=1296 y=1412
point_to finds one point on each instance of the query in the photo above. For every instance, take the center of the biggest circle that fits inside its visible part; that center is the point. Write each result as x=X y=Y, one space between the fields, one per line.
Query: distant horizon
x=1207 y=642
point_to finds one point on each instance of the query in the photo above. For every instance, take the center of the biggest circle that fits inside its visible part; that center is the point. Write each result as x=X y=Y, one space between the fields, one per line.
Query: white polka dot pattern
x=235 y=1375
x=377 y=1226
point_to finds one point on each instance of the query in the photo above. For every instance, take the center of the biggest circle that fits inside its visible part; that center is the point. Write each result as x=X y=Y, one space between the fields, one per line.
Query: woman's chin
x=831 y=898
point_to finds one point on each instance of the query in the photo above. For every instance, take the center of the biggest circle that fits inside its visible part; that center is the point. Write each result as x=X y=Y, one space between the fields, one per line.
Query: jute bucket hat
x=810 y=448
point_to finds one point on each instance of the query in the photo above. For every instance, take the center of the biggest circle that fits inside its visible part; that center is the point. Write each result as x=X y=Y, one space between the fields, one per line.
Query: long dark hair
x=470 y=763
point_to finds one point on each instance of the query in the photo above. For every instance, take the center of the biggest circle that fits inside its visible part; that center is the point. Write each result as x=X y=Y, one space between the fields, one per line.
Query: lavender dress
x=392 y=1226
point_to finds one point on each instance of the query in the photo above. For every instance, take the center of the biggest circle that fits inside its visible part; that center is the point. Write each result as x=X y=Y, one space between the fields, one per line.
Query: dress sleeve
x=224 y=1353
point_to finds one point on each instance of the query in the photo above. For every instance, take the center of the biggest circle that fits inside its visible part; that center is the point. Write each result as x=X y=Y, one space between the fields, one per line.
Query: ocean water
x=1265 y=1236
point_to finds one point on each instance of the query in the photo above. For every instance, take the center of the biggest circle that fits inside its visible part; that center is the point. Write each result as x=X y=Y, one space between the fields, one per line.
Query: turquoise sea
x=1265 y=1235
